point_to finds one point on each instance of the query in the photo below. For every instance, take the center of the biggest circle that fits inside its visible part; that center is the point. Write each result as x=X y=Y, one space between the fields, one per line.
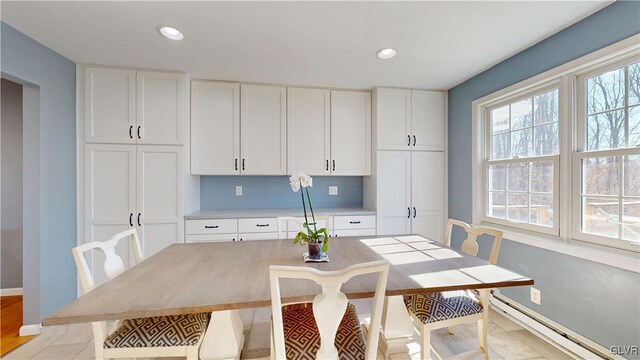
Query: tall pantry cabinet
x=407 y=186
x=130 y=157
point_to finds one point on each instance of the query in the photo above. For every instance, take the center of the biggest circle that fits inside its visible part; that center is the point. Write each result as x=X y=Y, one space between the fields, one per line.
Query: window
x=523 y=153
x=607 y=165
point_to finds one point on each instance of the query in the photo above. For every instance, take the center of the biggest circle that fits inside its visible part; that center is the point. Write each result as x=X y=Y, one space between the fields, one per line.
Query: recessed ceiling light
x=170 y=32
x=386 y=54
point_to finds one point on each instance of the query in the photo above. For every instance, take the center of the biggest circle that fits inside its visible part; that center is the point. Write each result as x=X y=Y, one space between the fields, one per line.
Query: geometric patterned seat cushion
x=434 y=307
x=162 y=331
x=302 y=339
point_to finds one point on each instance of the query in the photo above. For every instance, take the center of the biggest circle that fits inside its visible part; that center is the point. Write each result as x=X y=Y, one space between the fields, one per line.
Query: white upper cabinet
x=308 y=131
x=409 y=119
x=350 y=133
x=160 y=108
x=215 y=128
x=263 y=122
x=110 y=105
x=427 y=120
x=129 y=107
x=393 y=119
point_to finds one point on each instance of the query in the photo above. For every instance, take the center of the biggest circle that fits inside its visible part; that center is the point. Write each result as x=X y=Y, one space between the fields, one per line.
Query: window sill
x=622 y=259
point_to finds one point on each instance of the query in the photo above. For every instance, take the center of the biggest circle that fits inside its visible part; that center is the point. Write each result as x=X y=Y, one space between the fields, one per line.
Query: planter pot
x=315 y=251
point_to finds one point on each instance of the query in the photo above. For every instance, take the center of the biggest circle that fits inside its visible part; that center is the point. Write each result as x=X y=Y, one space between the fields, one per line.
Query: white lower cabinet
x=410 y=196
x=129 y=186
x=258 y=236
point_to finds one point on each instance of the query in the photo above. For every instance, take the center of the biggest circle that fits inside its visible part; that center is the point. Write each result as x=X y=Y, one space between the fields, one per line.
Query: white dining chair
x=164 y=336
x=328 y=328
x=284 y=222
x=445 y=309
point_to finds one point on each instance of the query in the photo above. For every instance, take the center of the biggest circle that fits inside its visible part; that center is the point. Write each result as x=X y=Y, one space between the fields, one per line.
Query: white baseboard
x=11 y=292
x=565 y=340
x=28 y=330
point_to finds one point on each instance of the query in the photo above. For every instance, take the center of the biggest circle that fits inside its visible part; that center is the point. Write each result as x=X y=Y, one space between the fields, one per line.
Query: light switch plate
x=238 y=190
x=536 y=296
x=333 y=190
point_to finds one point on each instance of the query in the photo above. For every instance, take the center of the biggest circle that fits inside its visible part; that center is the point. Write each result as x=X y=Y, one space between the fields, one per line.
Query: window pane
x=542 y=176
x=600 y=216
x=497 y=177
x=600 y=176
x=634 y=126
x=632 y=175
x=634 y=83
x=606 y=131
x=518 y=207
x=500 y=120
x=500 y=146
x=496 y=207
x=521 y=143
x=545 y=107
x=542 y=209
x=521 y=114
x=546 y=139
x=518 y=177
x=605 y=91
x=631 y=220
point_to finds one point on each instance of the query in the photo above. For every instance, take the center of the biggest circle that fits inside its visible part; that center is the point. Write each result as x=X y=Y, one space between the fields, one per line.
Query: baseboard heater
x=567 y=341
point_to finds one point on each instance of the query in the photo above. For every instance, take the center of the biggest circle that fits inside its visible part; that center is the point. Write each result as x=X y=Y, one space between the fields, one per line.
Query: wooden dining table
x=223 y=277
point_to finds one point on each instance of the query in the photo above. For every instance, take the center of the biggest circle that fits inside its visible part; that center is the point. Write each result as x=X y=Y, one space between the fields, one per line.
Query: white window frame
x=486 y=156
x=581 y=153
x=565 y=242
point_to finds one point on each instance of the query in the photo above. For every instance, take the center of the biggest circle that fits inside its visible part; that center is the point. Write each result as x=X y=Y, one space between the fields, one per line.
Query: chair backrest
x=330 y=305
x=283 y=224
x=113 y=264
x=470 y=244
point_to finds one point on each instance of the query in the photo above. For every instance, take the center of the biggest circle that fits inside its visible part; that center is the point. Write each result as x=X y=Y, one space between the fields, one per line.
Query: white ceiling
x=440 y=44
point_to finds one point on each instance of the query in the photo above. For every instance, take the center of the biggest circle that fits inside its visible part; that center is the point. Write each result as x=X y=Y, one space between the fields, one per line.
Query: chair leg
x=425 y=343
x=451 y=332
x=482 y=336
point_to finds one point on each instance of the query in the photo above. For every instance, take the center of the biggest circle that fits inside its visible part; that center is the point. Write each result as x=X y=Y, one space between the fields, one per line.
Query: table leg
x=224 y=338
x=397 y=326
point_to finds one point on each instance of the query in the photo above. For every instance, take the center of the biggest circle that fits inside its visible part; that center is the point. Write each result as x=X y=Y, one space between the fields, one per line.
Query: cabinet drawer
x=211 y=226
x=293 y=226
x=260 y=225
x=354 y=232
x=258 y=236
x=211 y=238
x=354 y=222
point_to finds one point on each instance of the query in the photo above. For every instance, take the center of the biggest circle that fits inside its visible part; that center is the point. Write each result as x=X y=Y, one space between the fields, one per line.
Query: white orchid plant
x=302 y=182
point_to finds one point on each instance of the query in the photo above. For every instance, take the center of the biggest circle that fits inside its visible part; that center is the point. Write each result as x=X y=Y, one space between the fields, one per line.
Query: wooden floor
x=11 y=315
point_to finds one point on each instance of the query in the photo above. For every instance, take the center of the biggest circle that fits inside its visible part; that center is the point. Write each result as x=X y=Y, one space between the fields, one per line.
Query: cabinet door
x=109 y=106
x=160 y=108
x=308 y=131
x=351 y=133
x=215 y=128
x=264 y=130
x=427 y=114
x=427 y=194
x=394 y=197
x=160 y=212
x=109 y=199
x=393 y=119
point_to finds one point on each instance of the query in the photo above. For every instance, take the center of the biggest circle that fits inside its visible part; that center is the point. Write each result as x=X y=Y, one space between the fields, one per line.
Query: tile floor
x=506 y=340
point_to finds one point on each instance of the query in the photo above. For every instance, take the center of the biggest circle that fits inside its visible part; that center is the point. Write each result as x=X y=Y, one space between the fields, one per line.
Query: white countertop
x=271 y=213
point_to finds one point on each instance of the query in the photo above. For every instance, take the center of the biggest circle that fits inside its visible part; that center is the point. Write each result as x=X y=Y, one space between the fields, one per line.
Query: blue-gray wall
x=595 y=300
x=219 y=192
x=54 y=76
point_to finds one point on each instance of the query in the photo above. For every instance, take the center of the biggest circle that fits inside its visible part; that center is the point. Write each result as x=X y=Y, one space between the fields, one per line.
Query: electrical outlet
x=333 y=190
x=238 y=190
x=536 y=296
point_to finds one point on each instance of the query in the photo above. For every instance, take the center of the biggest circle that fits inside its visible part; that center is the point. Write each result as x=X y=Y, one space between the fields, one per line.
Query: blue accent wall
x=55 y=76
x=219 y=192
x=595 y=300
